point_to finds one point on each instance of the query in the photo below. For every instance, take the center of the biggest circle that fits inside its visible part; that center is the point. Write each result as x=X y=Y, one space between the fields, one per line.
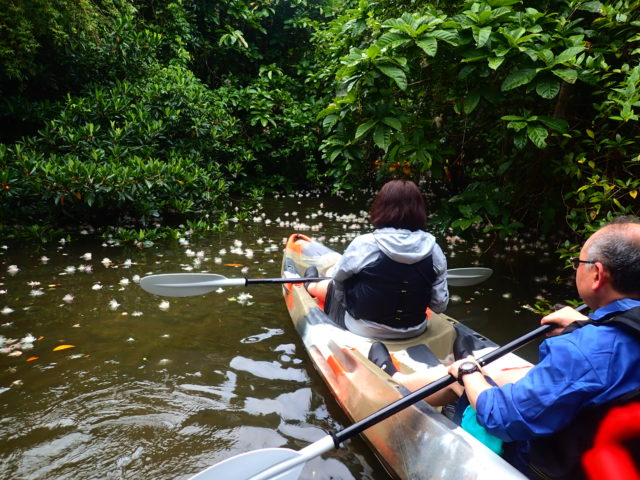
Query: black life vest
x=558 y=456
x=391 y=293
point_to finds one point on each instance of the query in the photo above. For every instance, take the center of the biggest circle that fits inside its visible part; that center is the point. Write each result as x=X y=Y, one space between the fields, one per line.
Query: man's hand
x=562 y=318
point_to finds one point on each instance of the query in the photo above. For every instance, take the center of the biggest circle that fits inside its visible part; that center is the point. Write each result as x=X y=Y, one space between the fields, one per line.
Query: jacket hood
x=404 y=246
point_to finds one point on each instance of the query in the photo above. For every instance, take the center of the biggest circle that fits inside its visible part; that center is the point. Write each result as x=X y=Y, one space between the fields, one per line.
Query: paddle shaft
x=191 y=284
x=250 y=281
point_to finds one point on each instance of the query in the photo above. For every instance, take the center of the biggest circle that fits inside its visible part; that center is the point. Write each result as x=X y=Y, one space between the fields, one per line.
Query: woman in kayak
x=386 y=279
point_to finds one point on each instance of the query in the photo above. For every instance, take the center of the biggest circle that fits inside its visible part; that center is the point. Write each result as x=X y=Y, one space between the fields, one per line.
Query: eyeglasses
x=575 y=262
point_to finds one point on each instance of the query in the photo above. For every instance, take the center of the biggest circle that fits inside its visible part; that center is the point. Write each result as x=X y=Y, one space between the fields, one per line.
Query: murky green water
x=150 y=387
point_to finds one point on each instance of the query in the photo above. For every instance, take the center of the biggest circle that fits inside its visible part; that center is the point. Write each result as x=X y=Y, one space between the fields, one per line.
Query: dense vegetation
x=148 y=113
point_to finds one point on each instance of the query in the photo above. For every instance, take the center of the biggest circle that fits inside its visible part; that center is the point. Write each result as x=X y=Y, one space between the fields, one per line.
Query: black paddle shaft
x=249 y=281
x=433 y=387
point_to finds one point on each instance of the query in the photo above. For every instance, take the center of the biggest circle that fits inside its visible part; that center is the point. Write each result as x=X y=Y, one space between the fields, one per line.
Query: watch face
x=468 y=367
x=465 y=368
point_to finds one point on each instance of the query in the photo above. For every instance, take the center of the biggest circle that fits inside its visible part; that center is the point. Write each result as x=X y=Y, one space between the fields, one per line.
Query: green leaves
x=395 y=73
x=533 y=127
x=548 y=88
x=517 y=78
x=382 y=134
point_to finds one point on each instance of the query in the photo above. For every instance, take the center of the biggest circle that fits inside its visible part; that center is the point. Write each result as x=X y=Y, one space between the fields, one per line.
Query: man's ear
x=600 y=276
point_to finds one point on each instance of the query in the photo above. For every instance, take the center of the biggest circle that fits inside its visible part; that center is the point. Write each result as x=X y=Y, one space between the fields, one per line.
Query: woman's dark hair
x=399 y=204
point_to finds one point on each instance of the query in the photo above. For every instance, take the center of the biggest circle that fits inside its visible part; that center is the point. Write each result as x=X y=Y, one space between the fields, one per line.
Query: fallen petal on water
x=63 y=347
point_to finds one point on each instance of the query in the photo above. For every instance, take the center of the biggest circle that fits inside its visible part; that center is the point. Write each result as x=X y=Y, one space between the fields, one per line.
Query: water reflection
x=151 y=387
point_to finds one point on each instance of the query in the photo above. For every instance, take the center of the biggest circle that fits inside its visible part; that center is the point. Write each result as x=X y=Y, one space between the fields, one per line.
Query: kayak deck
x=418 y=442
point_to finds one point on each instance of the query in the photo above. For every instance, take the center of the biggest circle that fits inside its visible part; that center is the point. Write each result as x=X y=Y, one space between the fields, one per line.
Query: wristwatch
x=466 y=368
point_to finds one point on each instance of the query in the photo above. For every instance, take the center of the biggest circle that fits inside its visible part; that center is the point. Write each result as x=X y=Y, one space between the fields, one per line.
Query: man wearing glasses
x=588 y=366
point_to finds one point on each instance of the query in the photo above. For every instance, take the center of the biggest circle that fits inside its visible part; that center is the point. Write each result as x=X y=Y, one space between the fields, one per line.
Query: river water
x=102 y=380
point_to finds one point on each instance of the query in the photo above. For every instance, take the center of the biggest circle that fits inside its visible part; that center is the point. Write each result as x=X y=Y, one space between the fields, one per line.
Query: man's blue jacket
x=589 y=366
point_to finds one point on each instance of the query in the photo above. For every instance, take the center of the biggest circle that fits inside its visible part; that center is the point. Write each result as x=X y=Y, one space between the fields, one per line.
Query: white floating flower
x=217 y=260
x=124 y=281
x=86 y=256
x=106 y=261
x=113 y=304
x=189 y=253
x=136 y=314
x=222 y=251
x=44 y=259
x=237 y=243
x=183 y=241
x=12 y=269
x=36 y=293
x=243 y=299
x=244 y=270
x=33 y=284
x=68 y=298
x=96 y=286
x=200 y=254
x=6 y=310
x=28 y=338
x=136 y=279
x=127 y=263
x=70 y=270
x=164 y=305
x=219 y=290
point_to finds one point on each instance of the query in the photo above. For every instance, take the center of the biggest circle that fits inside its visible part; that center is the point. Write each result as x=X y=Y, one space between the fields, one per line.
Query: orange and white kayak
x=419 y=442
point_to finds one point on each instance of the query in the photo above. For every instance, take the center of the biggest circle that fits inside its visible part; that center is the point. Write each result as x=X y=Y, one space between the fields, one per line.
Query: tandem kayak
x=418 y=442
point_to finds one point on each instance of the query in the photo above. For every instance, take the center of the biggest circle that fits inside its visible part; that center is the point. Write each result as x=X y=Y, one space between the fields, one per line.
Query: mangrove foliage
x=146 y=114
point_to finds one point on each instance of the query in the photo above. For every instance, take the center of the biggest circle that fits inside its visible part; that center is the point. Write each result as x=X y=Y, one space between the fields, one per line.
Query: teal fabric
x=471 y=425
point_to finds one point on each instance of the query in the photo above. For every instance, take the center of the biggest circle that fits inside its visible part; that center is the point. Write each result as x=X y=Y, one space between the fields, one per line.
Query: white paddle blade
x=464 y=277
x=247 y=465
x=187 y=284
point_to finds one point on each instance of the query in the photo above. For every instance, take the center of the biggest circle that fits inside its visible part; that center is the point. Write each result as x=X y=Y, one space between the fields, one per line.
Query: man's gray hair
x=617 y=247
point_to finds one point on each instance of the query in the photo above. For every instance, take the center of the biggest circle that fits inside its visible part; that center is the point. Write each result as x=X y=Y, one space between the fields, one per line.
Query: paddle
x=189 y=284
x=266 y=463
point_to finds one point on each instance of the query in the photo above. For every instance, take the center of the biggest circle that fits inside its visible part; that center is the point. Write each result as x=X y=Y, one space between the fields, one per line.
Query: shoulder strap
x=628 y=320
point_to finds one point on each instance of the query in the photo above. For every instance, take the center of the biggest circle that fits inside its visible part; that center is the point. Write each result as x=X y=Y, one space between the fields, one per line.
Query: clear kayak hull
x=418 y=442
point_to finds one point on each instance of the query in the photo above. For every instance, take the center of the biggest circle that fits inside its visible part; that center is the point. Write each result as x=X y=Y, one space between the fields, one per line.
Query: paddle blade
x=187 y=284
x=464 y=277
x=246 y=465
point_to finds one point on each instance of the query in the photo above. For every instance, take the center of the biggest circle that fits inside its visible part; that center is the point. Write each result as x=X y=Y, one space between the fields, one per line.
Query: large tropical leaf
x=429 y=45
x=548 y=88
x=382 y=136
x=518 y=78
x=363 y=128
x=538 y=135
x=395 y=73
